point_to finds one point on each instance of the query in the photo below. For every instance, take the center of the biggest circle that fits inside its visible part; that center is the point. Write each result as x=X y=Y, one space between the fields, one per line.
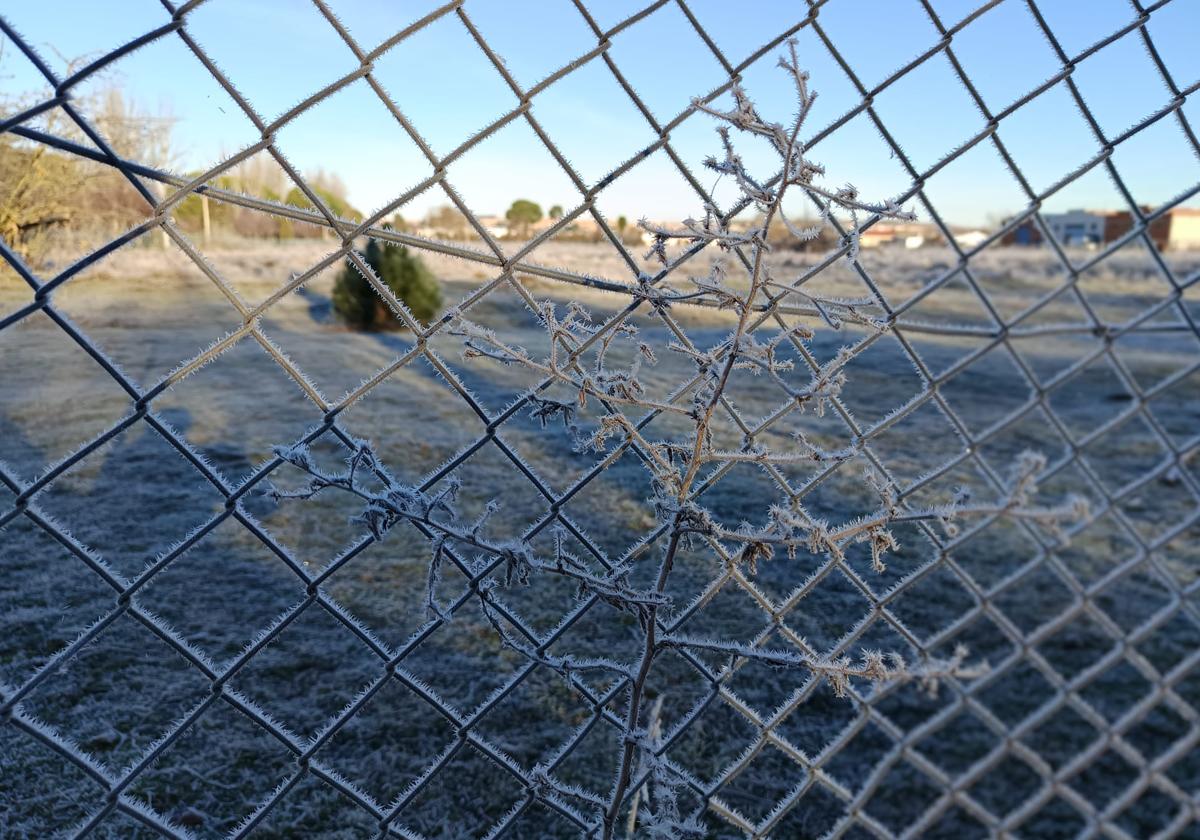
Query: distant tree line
x=262 y=177
x=48 y=197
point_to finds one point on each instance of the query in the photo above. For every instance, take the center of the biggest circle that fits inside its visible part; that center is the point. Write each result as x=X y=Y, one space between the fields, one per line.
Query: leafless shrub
x=579 y=359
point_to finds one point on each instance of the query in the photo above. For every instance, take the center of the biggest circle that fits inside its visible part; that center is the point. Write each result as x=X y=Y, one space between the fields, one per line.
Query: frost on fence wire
x=667 y=690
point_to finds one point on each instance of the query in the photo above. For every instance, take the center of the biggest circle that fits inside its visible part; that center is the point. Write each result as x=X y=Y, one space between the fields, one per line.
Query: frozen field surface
x=1102 y=612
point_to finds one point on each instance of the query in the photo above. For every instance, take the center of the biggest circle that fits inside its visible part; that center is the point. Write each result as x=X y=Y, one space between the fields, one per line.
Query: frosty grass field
x=131 y=500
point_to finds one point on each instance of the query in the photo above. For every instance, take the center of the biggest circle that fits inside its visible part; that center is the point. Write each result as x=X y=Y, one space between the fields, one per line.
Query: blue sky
x=277 y=52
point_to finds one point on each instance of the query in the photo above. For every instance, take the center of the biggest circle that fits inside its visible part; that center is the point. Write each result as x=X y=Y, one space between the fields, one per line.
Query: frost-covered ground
x=133 y=499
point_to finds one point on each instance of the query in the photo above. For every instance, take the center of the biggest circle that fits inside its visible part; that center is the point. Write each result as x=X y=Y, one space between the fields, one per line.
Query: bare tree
x=38 y=194
x=448 y=222
x=46 y=196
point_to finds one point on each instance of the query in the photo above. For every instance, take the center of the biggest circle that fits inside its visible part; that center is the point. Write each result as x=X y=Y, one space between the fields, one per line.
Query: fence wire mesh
x=1084 y=724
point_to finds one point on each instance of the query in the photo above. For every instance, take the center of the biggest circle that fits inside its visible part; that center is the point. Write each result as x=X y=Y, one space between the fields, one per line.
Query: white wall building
x=1076 y=227
x=971 y=238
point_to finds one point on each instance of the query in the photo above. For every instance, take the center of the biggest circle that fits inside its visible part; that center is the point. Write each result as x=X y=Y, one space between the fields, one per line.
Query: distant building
x=971 y=238
x=1183 y=228
x=497 y=226
x=1078 y=227
x=1025 y=233
x=878 y=234
x=908 y=235
x=1177 y=229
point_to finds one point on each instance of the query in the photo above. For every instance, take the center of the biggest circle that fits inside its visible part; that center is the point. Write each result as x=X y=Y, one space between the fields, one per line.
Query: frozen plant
x=579 y=359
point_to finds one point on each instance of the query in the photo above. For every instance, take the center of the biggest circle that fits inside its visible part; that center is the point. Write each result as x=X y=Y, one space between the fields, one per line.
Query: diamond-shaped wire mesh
x=326 y=713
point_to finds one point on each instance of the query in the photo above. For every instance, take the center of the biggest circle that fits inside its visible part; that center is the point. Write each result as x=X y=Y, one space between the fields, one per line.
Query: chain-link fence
x=320 y=717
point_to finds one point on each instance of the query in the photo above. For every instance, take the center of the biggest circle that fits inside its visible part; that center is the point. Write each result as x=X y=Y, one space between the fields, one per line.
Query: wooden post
x=164 y=240
x=205 y=219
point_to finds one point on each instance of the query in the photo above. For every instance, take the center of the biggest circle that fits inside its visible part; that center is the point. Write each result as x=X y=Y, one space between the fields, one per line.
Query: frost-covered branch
x=605 y=368
x=387 y=502
x=839 y=672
